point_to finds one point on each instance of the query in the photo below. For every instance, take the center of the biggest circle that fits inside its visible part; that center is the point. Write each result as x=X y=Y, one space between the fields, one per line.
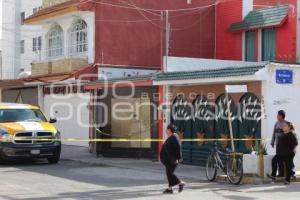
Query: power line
x=134 y=7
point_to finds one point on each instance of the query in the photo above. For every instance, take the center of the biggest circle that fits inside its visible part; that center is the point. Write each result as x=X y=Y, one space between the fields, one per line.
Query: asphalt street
x=78 y=180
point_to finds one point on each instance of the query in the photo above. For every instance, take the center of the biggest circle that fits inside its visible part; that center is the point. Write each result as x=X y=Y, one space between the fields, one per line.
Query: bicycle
x=232 y=167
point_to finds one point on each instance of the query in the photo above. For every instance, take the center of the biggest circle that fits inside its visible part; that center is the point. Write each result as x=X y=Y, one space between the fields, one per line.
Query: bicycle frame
x=216 y=153
x=229 y=162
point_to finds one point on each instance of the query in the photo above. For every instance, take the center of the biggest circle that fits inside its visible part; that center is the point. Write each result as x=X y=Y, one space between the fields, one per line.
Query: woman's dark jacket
x=171 y=150
x=286 y=144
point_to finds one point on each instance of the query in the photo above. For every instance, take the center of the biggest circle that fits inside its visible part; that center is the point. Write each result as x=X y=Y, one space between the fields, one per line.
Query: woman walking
x=171 y=156
x=285 y=151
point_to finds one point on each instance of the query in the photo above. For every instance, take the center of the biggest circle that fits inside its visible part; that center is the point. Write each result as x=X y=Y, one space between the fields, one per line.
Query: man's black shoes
x=168 y=191
x=181 y=186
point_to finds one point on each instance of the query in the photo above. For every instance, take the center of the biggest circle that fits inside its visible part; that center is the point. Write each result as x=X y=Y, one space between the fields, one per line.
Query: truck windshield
x=21 y=115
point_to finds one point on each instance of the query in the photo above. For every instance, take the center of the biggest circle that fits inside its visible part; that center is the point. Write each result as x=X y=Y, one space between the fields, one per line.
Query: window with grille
x=78 y=37
x=36 y=44
x=55 y=41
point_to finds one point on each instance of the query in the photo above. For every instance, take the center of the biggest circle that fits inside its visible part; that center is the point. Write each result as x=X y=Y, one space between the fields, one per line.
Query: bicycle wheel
x=234 y=170
x=211 y=168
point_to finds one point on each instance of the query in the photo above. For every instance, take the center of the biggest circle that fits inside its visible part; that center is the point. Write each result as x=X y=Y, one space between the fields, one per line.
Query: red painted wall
x=228 y=45
x=131 y=37
x=286 y=34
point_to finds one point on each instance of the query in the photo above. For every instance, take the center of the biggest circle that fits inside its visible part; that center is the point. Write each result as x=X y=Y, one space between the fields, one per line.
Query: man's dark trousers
x=284 y=160
x=277 y=164
x=170 y=169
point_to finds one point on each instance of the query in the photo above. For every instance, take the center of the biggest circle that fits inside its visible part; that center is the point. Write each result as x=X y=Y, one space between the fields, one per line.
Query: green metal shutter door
x=269 y=44
x=250 y=46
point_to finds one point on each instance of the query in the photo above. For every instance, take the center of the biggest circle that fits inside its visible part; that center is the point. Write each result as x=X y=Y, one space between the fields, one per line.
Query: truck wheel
x=55 y=158
x=2 y=159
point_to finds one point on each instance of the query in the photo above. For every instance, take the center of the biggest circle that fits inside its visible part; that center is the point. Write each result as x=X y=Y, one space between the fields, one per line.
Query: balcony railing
x=57 y=66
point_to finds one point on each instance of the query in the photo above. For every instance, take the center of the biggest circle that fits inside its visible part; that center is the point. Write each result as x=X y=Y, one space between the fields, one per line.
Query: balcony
x=63 y=65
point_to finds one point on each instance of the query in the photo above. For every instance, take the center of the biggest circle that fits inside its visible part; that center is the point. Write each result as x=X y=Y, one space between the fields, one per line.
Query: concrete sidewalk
x=81 y=154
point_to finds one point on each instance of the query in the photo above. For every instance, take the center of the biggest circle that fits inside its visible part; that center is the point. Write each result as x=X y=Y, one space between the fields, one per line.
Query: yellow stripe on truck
x=4 y=107
x=48 y=127
x=12 y=128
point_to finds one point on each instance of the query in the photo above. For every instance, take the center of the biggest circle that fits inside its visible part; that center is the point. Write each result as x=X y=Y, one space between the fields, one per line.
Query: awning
x=11 y=83
x=88 y=73
x=262 y=18
x=207 y=74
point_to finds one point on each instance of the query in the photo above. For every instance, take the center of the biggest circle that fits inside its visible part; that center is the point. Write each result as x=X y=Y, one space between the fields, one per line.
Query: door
x=131 y=119
x=72 y=115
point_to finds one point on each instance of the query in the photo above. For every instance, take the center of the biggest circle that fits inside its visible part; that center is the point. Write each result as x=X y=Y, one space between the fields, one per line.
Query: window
x=78 y=37
x=22 y=17
x=36 y=9
x=36 y=44
x=55 y=41
x=250 y=46
x=269 y=45
x=22 y=46
x=21 y=115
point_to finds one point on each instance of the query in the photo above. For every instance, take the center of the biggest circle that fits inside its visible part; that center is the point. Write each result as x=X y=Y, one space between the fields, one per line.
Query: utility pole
x=167 y=28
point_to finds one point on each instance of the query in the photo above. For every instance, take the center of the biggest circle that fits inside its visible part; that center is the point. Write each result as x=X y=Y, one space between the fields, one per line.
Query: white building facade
x=20 y=44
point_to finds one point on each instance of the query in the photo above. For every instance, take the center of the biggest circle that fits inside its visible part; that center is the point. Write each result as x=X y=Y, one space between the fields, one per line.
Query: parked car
x=25 y=133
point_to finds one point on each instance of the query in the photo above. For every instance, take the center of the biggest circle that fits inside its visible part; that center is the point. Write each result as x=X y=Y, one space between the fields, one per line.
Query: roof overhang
x=212 y=75
x=262 y=18
x=11 y=83
x=58 y=10
x=119 y=84
x=207 y=81
x=83 y=74
x=138 y=81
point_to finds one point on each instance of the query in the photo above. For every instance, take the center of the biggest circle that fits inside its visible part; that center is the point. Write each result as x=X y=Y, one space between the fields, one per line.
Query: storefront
x=60 y=96
x=199 y=110
x=125 y=108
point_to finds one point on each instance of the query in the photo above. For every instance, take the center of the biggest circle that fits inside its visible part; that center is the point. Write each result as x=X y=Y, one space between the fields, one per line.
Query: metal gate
x=249 y=121
x=202 y=128
x=133 y=124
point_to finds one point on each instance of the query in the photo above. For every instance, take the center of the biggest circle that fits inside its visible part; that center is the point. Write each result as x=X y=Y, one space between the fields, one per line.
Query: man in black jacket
x=277 y=133
x=171 y=156
x=286 y=151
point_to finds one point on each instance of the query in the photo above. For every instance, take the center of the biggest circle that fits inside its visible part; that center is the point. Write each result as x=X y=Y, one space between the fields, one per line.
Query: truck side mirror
x=52 y=120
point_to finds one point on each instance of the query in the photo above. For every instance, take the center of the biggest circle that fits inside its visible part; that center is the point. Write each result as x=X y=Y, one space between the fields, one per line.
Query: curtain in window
x=55 y=40
x=250 y=46
x=269 y=45
x=78 y=37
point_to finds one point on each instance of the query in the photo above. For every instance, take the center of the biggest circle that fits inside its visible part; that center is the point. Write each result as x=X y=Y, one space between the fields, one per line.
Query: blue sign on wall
x=284 y=76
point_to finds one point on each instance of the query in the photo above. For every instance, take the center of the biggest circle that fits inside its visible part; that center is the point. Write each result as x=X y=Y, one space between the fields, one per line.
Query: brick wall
x=40 y=68
x=57 y=66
